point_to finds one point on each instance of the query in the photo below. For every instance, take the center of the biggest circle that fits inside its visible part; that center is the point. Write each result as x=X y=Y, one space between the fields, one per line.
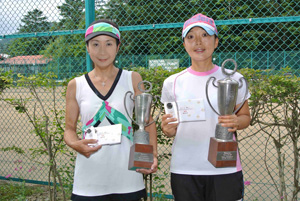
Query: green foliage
x=68 y=51
x=158 y=180
x=275 y=107
x=5 y=80
x=72 y=13
x=248 y=37
x=13 y=148
x=48 y=125
x=34 y=21
x=17 y=191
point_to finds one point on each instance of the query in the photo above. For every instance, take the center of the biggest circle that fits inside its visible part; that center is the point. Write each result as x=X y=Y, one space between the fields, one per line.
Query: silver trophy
x=141 y=153
x=227 y=95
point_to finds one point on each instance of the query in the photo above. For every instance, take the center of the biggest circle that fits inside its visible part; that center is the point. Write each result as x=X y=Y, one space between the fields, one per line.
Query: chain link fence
x=48 y=36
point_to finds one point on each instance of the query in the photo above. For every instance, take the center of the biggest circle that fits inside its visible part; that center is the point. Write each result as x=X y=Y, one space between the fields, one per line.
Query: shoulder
x=72 y=83
x=75 y=81
x=136 y=77
x=173 y=77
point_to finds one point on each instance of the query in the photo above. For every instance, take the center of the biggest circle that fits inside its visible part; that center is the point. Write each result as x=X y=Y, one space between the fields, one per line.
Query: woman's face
x=200 y=45
x=103 y=50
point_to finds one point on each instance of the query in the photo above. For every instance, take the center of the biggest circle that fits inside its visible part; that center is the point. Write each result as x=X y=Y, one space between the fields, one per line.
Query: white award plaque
x=105 y=135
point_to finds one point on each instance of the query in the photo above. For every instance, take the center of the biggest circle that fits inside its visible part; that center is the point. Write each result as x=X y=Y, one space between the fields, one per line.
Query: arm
x=168 y=129
x=239 y=121
x=72 y=113
x=151 y=129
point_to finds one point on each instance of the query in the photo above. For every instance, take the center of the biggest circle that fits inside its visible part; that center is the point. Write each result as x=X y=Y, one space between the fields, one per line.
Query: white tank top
x=106 y=171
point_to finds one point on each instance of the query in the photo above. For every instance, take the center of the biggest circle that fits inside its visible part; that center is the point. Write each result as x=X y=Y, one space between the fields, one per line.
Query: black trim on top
x=111 y=90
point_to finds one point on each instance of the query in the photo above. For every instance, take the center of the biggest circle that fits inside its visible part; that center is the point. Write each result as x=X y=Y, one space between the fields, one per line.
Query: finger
x=232 y=129
x=166 y=116
x=231 y=125
x=168 y=120
x=90 y=141
x=96 y=148
x=144 y=171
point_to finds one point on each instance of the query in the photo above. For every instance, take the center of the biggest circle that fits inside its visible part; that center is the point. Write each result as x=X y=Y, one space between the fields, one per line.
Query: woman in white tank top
x=101 y=172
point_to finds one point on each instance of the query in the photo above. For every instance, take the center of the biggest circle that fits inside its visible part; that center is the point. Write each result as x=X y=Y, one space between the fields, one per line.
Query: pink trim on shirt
x=190 y=70
x=175 y=83
x=238 y=160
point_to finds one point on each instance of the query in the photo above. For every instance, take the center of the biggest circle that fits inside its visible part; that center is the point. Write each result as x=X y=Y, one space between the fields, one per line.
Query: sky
x=12 y=11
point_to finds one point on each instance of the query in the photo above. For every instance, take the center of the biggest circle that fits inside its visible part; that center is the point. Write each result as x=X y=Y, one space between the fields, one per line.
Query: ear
x=118 y=47
x=184 y=46
x=216 y=42
x=87 y=48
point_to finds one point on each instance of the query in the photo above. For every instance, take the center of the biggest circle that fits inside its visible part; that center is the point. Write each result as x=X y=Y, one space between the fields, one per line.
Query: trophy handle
x=223 y=67
x=131 y=94
x=154 y=119
x=144 y=90
x=207 y=97
x=240 y=80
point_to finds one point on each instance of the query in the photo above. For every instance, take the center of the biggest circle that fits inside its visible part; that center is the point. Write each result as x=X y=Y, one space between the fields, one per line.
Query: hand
x=230 y=121
x=82 y=146
x=169 y=129
x=153 y=167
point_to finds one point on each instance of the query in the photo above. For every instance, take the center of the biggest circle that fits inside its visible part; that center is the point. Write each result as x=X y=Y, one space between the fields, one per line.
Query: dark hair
x=106 y=21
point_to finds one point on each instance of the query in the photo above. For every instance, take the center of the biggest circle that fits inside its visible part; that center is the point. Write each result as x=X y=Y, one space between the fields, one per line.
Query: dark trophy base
x=141 y=156
x=222 y=154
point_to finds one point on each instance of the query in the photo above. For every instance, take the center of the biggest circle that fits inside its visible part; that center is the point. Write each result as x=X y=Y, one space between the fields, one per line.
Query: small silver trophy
x=222 y=150
x=141 y=153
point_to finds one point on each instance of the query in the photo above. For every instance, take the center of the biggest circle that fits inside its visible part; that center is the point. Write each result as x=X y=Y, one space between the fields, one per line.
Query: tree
x=34 y=21
x=68 y=51
x=275 y=108
x=72 y=13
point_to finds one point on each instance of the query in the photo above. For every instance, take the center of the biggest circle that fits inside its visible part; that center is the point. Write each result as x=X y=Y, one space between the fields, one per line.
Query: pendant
x=103 y=84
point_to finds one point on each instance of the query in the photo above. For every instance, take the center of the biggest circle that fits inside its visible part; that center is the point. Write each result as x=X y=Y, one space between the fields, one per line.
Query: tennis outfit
x=191 y=143
x=106 y=171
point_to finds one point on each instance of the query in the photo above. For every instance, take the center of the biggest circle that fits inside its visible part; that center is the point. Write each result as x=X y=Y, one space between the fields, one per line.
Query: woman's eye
x=109 y=44
x=95 y=44
x=190 y=36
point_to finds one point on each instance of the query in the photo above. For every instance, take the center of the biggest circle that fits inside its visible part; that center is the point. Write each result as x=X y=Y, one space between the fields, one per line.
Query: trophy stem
x=223 y=134
x=141 y=137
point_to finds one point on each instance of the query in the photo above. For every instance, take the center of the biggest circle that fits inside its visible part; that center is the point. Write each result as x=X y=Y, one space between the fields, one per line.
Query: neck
x=105 y=73
x=104 y=76
x=202 y=66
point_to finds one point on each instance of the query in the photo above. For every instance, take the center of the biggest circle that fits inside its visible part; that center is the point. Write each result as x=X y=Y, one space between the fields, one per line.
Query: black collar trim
x=111 y=90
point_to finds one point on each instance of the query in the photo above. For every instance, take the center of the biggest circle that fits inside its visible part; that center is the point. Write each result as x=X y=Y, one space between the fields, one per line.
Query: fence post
x=89 y=18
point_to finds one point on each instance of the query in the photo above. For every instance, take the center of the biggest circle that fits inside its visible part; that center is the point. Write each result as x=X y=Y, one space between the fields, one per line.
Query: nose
x=101 y=49
x=198 y=40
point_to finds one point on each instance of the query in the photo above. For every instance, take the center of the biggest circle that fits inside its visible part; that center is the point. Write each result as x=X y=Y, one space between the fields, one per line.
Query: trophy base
x=222 y=154
x=141 y=156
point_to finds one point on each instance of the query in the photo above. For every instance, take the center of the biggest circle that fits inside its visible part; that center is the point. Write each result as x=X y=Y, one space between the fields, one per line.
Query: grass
x=10 y=190
x=20 y=191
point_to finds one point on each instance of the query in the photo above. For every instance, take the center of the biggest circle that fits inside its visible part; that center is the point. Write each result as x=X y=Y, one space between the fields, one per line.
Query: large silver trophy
x=223 y=149
x=141 y=152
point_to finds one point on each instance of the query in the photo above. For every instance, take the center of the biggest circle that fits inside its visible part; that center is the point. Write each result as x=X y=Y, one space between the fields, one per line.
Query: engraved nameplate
x=145 y=157
x=226 y=156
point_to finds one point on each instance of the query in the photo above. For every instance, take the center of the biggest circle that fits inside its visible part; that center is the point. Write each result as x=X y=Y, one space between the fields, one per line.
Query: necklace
x=102 y=83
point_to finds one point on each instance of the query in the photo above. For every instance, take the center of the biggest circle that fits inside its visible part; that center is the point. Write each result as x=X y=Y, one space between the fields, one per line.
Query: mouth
x=102 y=60
x=199 y=50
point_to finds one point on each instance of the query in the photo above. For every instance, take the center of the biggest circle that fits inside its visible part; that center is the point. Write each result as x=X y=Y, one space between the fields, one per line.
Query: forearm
x=152 y=137
x=243 y=122
x=70 y=137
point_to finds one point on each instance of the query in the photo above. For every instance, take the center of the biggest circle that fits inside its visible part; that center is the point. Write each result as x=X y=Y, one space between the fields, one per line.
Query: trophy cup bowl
x=222 y=148
x=141 y=152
